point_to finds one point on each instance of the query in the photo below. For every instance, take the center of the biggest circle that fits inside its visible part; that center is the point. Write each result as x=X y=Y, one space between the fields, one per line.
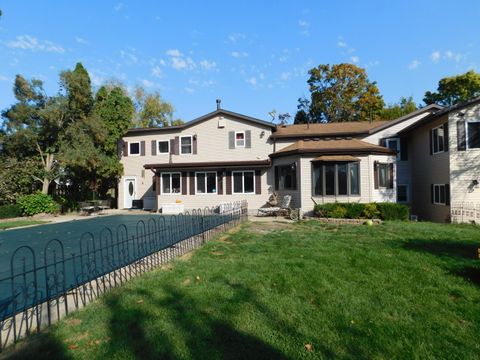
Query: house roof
x=336 y=158
x=332 y=147
x=211 y=165
x=352 y=128
x=218 y=112
x=439 y=113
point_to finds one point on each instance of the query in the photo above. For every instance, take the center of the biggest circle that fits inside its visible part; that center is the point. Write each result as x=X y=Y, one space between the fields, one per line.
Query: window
x=239 y=139
x=243 y=182
x=206 y=182
x=473 y=135
x=134 y=148
x=383 y=175
x=171 y=183
x=341 y=178
x=402 y=193
x=286 y=177
x=394 y=144
x=439 y=194
x=185 y=145
x=438 y=139
x=163 y=146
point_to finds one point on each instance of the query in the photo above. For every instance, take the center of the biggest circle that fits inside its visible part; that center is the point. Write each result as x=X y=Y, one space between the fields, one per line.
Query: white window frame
x=191 y=145
x=161 y=183
x=444 y=191
x=243 y=182
x=216 y=183
x=244 y=139
x=407 y=192
x=433 y=139
x=139 y=148
x=381 y=164
x=398 y=146
x=466 y=133
x=168 y=145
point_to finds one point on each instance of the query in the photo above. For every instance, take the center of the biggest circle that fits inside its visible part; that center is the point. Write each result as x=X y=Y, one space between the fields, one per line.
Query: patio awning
x=336 y=158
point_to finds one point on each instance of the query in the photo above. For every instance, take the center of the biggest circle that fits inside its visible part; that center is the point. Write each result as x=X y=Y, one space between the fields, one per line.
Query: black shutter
x=194 y=144
x=154 y=147
x=432 y=196
x=258 y=182
x=445 y=136
x=192 y=183
x=231 y=139
x=447 y=194
x=142 y=148
x=184 y=183
x=277 y=179
x=403 y=149
x=461 y=136
x=176 y=145
x=430 y=144
x=228 y=185
x=248 y=139
x=383 y=142
x=390 y=175
x=125 y=148
x=375 y=175
x=220 y=182
x=172 y=146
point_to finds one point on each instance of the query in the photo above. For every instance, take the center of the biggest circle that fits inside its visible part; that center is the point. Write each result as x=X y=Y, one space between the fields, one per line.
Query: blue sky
x=254 y=55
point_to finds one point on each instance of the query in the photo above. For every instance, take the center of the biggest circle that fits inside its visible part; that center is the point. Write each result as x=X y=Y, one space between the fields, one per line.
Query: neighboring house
x=444 y=149
x=224 y=156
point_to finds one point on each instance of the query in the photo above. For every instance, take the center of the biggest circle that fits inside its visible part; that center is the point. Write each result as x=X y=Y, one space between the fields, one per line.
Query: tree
x=455 y=89
x=78 y=89
x=403 y=107
x=152 y=111
x=342 y=92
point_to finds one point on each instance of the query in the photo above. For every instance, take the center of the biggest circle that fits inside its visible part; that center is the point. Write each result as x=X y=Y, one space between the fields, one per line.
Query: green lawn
x=399 y=290
x=18 y=223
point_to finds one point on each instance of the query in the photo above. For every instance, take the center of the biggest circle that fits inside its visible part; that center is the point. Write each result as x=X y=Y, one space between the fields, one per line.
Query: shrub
x=37 y=203
x=338 y=211
x=325 y=210
x=10 y=211
x=354 y=210
x=393 y=211
x=370 y=211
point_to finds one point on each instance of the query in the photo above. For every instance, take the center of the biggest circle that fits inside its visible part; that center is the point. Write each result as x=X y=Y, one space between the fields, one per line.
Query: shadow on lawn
x=463 y=257
x=188 y=330
x=39 y=346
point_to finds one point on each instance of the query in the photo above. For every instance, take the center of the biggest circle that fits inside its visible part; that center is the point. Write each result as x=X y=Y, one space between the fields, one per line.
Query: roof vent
x=218 y=103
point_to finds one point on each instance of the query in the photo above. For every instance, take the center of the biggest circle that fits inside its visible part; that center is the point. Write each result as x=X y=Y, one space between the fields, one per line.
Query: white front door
x=130 y=192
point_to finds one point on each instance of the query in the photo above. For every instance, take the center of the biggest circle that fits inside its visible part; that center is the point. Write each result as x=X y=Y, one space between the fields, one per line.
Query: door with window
x=130 y=192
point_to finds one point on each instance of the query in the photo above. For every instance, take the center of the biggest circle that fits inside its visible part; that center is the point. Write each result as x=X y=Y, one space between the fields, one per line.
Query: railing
x=465 y=212
x=43 y=287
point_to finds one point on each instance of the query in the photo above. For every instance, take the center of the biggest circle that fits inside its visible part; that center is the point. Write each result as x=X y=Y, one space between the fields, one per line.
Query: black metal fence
x=42 y=288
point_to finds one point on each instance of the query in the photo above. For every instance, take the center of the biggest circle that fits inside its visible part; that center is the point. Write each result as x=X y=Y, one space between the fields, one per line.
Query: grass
x=398 y=290
x=19 y=223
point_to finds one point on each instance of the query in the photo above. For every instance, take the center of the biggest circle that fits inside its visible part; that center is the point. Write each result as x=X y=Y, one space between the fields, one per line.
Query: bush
x=370 y=211
x=37 y=203
x=354 y=210
x=392 y=211
x=10 y=211
x=325 y=210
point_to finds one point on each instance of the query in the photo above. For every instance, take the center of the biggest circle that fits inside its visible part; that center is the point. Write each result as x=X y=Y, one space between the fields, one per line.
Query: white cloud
x=208 y=65
x=180 y=63
x=261 y=76
x=157 y=72
x=130 y=56
x=239 y=54
x=303 y=23
x=341 y=43
x=189 y=90
x=285 y=75
x=174 y=52
x=80 y=40
x=3 y=78
x=147 y=83
x=27 y=42
x=450 y=55
x=354 y=59
x=97 y=78
x=119 y=7
x=234 y=38
x=252 y=81
x=414 y=64
x=435 y=56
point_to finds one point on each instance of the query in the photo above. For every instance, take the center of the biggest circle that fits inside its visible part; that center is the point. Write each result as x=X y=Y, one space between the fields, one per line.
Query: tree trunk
x=45 y=185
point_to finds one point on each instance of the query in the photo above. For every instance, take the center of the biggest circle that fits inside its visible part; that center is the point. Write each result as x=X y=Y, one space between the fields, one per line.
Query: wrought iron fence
x=42 y=288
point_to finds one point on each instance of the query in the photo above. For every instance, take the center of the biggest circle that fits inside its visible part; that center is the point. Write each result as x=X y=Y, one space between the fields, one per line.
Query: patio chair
x=277 y=210
x=86 y=207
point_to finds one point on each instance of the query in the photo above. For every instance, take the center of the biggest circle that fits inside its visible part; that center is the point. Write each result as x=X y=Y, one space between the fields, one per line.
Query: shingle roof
x=331 y=147
x=336 y=158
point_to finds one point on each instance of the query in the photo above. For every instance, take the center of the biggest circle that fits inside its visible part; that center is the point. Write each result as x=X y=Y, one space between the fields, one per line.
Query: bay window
x=334 y=179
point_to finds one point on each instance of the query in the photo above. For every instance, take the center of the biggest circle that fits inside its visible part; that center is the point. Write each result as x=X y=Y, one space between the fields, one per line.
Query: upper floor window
x=473 y=134
x=171 y=183
x=206 y=182
x=394 y=144
x=439 y=139
x=163 y=146
x=134 y=148
x=243 y=182
x=239 y=139
x=341 y=178
x=286 y=177
x=185 y=145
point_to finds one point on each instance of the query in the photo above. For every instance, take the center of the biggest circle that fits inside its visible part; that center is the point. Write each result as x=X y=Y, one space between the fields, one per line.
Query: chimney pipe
x=218 y=104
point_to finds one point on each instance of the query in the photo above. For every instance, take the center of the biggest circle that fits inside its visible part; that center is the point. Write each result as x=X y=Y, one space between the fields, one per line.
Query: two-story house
x=225 y=156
